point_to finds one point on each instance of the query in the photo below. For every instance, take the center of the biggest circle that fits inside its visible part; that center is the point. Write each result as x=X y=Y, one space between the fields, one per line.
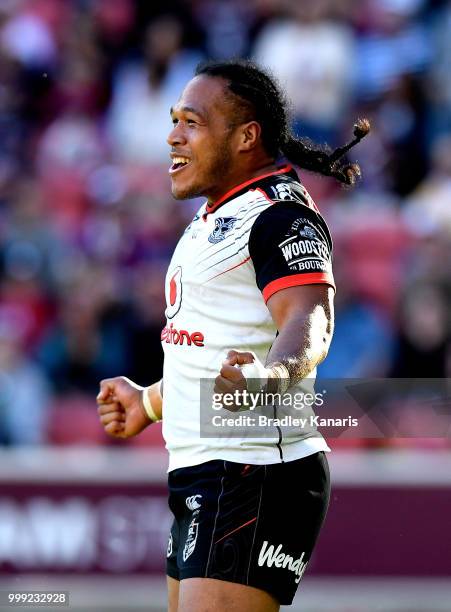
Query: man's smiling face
x=201 y=139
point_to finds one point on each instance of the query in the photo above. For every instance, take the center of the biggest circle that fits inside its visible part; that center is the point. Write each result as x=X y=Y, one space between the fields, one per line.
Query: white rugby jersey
x=262 y=236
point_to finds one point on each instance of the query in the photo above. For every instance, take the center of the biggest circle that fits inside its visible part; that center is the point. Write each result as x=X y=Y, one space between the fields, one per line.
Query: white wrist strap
x=256 y=375
x=148 y=406
x=281 y=373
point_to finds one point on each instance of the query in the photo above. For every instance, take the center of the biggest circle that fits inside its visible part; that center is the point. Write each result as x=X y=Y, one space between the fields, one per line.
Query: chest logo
x=222 y=226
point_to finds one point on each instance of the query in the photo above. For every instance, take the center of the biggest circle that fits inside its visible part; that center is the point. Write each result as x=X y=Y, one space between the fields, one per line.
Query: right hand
x=120 y=407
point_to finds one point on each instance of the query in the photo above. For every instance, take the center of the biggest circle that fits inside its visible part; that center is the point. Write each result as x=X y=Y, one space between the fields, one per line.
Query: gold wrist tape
x=148 y=406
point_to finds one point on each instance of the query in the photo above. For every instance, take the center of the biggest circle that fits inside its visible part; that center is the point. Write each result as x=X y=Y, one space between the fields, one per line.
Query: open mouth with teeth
x=178 y=163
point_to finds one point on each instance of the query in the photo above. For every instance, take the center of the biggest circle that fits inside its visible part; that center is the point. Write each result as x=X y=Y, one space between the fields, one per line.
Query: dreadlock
x=263 y=101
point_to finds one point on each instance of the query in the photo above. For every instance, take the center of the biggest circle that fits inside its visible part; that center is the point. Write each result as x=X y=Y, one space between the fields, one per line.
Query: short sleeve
x=290 y=245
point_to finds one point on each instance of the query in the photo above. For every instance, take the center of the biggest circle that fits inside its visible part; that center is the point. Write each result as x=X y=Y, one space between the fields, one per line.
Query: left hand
x=230 y=377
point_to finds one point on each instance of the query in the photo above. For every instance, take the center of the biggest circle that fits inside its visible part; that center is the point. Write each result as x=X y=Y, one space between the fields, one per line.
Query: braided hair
x=260 y=99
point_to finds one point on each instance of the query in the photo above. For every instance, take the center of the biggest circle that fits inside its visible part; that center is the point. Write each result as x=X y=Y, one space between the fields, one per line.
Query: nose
x=176 y=136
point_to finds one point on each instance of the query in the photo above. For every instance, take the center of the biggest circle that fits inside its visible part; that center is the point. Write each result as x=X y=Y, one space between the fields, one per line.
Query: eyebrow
x=188 y=109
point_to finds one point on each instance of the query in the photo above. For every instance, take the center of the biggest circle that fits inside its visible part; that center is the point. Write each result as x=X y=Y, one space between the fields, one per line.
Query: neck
x=242 y=176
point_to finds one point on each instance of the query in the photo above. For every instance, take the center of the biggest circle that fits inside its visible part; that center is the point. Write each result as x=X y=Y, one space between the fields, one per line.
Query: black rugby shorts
x=249 y=524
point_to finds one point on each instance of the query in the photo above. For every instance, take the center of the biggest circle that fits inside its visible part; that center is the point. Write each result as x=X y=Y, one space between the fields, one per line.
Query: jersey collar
x=210 y=208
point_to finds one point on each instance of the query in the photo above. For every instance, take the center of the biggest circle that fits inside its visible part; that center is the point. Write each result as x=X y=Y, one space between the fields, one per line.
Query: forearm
x=301 y=345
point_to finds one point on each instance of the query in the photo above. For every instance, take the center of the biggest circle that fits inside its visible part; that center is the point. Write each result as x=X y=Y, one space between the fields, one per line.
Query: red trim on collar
x=226 y=196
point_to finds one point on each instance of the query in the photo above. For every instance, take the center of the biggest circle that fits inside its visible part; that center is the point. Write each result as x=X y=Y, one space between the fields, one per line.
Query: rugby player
x=249 y=294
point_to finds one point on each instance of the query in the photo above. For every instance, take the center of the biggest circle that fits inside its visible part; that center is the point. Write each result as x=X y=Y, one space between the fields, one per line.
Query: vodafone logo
x=170 y=335
x=173 y=291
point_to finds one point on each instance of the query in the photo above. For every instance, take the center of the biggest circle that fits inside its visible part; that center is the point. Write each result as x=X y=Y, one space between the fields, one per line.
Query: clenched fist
x=120 y=407
x=231 y=378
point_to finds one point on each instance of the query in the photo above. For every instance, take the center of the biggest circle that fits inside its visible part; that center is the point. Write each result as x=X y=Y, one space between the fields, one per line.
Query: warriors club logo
x=222 y=226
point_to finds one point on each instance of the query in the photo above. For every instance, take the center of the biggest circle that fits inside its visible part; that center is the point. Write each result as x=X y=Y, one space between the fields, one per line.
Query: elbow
x=321 y=340
x=324 y=347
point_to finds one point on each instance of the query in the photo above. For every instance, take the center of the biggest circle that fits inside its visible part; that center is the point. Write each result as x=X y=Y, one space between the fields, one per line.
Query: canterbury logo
x=270 y=556
x=192 y=503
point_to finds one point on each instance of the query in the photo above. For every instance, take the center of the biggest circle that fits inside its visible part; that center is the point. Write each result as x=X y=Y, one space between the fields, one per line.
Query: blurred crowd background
x=87 y=222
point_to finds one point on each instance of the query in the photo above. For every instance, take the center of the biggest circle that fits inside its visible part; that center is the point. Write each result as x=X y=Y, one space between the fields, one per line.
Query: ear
x=249 y=136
